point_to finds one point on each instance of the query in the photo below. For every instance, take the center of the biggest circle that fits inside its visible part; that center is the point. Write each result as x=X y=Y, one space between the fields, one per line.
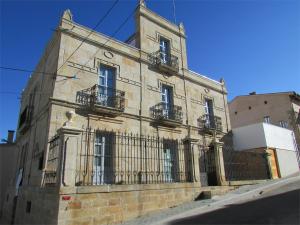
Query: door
x=164 y=50
x=167 y=100
x=207 y=166
x=106 y=90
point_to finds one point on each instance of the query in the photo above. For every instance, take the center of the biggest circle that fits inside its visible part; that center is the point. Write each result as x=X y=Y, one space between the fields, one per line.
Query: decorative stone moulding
x=109 y=55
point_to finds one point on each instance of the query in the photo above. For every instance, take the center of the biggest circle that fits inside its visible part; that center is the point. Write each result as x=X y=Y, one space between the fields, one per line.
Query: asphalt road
x=279 y=206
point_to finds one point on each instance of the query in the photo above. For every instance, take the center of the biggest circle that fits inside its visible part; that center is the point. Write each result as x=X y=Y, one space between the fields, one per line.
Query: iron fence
x=106 y=157
x=163 y=110
x=50 y=176
x=101 y=96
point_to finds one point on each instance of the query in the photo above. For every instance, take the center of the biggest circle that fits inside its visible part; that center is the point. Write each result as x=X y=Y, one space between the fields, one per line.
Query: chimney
x=252 y=93
x=10 y=136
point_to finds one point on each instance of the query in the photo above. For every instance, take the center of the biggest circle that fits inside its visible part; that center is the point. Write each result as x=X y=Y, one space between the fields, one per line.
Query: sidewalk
x=244 y=193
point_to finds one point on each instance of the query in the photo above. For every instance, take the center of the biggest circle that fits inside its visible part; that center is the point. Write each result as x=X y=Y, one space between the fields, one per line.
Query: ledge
x=126 y=188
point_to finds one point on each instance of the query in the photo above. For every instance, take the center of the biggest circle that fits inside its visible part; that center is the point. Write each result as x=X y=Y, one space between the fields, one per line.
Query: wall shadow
x=278 y=209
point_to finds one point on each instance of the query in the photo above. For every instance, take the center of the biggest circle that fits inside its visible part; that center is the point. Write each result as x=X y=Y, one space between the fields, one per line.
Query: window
x=106 y=88
x=103 y=148
x=23 y=117
x=209 y=114
x=41 y=162
x=283 y=124
x=28 y=206
x=249 y=108
x=164 y=47
x=267 y=119
x=266 y=102
x=170 y=159
x=167 y=100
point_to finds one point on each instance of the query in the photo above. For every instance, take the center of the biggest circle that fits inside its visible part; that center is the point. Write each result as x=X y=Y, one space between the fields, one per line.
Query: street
x=279 y=206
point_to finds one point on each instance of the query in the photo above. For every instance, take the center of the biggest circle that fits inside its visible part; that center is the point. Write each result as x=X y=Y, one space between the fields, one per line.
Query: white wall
x=249 y=137
x=287 y=161
x=262 y=135
x=278 y=137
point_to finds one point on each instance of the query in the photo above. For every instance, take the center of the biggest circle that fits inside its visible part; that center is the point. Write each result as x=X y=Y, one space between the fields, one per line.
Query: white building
x=277 y=141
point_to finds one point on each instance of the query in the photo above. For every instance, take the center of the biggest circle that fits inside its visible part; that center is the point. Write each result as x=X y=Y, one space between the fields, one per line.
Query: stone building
x=281 y=109
x=115 y=129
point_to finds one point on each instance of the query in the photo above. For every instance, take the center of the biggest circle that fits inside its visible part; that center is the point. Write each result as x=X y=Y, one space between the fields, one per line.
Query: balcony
x=25 y=119
x=168 y=115
x=102 y=100
x=209 y=123
x=164 y=62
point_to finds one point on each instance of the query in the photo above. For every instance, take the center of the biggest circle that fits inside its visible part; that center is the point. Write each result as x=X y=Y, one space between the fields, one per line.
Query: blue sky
x=254 y=45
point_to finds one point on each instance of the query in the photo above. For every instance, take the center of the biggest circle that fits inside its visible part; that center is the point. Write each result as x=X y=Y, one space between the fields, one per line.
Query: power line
x=108 y=40
x=93 y=30
x=79 y=70
x=33 y=71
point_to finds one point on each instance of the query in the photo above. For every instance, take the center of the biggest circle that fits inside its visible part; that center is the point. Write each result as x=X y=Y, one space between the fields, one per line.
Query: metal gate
x=207 y=165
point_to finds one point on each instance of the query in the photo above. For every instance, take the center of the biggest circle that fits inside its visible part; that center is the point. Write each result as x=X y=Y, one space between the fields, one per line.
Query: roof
x=293 y=94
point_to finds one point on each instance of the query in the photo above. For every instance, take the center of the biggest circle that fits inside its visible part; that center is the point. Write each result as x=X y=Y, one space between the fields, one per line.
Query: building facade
x=281 y=109
x=114 y=130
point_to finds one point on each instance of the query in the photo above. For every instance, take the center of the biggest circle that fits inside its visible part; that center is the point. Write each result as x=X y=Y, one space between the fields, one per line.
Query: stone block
x=74 y=205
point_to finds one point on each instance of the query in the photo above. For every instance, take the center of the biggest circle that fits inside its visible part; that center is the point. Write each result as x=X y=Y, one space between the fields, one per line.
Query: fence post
x=195 y=162
x=68 y=151
x=220 y=167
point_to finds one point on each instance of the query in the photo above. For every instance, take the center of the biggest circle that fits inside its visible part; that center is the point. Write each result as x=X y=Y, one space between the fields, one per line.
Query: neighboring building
x=278 y=142
x=281 y=109
x=122 y=137
x=8 y=162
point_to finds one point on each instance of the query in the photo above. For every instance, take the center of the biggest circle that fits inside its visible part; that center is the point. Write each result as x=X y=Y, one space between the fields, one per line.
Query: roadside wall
x=287 y=161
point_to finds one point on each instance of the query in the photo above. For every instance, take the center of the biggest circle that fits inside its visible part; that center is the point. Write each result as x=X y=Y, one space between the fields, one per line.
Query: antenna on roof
x=174 y=12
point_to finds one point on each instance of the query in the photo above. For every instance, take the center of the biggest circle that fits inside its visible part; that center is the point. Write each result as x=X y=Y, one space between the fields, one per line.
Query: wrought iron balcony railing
x=165 y=62
x=208 y=122
x=167 y=113
x=99 y=98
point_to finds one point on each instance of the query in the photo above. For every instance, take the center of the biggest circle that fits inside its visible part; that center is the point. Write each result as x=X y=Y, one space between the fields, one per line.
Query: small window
x=267 y=119
x=28 y=206
x=249 y=108
x=283 y=124
x=41 y=162
x=266 y=102
x=235 y=112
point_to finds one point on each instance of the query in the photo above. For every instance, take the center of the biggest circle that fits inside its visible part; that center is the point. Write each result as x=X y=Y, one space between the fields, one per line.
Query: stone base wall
x=117 y=203
x=35 y=205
